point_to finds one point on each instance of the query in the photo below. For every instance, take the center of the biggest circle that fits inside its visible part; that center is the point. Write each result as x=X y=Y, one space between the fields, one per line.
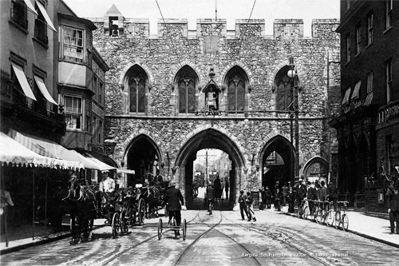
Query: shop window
x=358 y=39
x=19 y=13
x=348 y=48
x=73 y=46
x=73 y=112
x=388 y=80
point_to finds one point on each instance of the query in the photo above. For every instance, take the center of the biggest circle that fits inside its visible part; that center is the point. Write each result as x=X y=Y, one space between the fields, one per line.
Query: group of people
x=246 y=206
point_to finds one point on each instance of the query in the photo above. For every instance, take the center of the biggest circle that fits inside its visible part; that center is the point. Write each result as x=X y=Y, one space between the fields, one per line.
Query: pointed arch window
x=186 y=83
x=236 y=84
x=284 y=93
x=137 y=83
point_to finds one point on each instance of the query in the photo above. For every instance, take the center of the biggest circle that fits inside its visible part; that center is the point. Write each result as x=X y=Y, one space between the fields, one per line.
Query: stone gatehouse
x=173 y=94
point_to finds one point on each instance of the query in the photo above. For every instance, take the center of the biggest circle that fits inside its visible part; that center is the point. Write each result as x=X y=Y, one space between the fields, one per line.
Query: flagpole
x=216 y=9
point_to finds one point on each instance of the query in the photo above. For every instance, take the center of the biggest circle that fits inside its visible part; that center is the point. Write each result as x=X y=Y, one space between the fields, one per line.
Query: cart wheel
x=124 y=222
x=345 y=222
x=159 y=229
x=337 y=219
x=319 y=216
x=141 y=211
x=116 y=227
x=184 y=229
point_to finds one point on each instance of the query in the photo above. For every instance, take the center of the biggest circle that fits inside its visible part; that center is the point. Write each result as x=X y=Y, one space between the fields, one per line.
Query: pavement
x=377 y=229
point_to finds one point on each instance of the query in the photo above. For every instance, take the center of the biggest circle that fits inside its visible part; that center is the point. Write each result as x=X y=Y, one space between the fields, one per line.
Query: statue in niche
x=211 y=99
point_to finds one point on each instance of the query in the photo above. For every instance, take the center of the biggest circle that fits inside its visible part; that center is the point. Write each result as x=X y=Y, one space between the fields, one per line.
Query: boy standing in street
x=243 y=205
x=251 y=213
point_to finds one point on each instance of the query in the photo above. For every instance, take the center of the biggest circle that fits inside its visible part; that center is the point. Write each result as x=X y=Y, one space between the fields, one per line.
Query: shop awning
x=14 y=153
x=355 y=93
x=346 y=97
x=45 y=15
x=43 y=89
x=52 y=149
x=126 y=171
x=28 y=3
x=100 y=165
x=23 y=81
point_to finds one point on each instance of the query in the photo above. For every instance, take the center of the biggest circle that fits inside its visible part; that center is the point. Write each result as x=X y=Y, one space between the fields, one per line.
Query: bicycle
x=328 y=216
x=319 y=212
x=303 y=210
x=340 y=217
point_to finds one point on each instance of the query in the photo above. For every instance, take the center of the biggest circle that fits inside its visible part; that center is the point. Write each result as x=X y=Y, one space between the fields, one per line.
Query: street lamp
x=293 y=75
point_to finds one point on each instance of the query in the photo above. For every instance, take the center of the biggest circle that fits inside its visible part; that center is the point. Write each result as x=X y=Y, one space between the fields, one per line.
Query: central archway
x=208 y=139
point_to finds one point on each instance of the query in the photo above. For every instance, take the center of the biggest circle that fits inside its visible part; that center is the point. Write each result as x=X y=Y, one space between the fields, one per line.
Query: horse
x=154 y=197
x=82 y=205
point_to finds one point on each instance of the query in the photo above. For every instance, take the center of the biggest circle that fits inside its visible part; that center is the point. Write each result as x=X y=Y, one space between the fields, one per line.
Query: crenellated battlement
x=283 y=29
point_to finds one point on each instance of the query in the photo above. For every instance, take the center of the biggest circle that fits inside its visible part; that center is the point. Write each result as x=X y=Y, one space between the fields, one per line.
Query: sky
x=269 y=10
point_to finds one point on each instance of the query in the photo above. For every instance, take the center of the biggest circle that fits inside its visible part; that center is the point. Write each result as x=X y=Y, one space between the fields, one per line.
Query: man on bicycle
x=174 y=200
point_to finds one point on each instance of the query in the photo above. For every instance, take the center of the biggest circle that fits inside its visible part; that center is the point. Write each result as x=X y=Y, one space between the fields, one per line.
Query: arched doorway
x=316 y=168
x=277 y=162
x=208 y=139
x=142 y=156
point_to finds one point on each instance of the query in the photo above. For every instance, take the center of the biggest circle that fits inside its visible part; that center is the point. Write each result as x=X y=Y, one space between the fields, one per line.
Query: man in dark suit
x=174 y=200
x=210 y=196
x=393 y=207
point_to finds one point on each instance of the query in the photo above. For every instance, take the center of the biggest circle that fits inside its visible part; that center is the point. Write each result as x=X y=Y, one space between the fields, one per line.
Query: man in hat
x=174 y=200
x=277 y=195
x=107 y=184
x=210 y=196
x=393 y=206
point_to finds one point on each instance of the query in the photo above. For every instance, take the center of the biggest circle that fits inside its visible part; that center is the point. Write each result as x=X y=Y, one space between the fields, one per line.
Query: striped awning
x=15 y=154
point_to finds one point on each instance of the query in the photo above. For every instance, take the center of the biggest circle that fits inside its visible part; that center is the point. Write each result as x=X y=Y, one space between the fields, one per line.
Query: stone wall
x=212 y=46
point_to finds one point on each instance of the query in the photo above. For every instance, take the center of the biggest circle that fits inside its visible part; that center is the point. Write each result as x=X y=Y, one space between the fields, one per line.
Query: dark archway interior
x=208 y=139
x=142 y=157
x=278 y=162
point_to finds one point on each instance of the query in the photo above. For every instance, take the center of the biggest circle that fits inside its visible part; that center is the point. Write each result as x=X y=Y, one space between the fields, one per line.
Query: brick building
x=180 y=91
x=367 y=126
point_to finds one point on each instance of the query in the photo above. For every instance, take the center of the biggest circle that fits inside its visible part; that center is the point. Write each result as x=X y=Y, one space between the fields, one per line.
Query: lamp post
x=293 y=75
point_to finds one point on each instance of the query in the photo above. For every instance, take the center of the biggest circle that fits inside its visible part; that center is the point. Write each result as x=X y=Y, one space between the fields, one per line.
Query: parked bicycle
x=303 y=209
x=341 y=219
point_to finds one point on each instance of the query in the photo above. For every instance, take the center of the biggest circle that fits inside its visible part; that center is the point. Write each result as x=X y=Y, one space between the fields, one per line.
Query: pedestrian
x=393 y=207
x=243 y=204
x=277 y=195
x=284 y=191
x=262 y=198
x=312 y=196
x=250 y=210
x=174 y=201
x=291 y=199
x=323 y=194
x=217 y=187
x=332 y=194
x=210 y=197
x=268 y=196
x=5 y=204
x=226 y=187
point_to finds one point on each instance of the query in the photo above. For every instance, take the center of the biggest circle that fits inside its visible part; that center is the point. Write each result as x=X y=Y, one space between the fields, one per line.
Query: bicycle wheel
x=159 y=229
x=329 y=218
x=319 y=216
x=337 y=219
x=305 y=212
x=323 y=216
x=141 y=211
x=345 y=222
x=116 y=229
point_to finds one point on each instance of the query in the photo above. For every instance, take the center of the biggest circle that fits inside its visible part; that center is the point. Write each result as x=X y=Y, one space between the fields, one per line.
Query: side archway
x=318 y=168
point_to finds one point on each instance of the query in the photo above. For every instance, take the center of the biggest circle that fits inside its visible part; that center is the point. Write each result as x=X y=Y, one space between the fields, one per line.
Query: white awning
x=43 y=89
x=355 y=94
x=23 y=81
x=126 y=171
x=368 y=99
x=45 y=15
x=346 y=97
x=101 y=165
x=12 y=152
x=28 y=3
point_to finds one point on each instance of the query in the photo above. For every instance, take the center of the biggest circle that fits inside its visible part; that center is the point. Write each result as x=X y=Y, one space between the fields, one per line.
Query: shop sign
x=388 y=113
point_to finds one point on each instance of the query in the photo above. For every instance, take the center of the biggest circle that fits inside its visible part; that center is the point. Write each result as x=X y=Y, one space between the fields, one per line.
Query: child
x=251 y=213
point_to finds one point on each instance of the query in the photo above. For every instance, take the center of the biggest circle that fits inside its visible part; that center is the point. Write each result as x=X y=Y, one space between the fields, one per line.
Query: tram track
x=282 y=237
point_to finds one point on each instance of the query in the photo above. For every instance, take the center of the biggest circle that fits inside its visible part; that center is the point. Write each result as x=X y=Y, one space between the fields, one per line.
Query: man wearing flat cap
x=174 y=200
